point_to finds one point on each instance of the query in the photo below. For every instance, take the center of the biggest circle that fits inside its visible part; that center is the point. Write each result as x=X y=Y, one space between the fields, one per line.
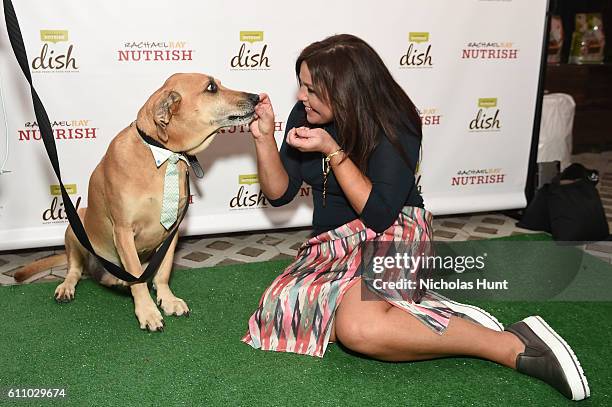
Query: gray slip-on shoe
x=549 y=358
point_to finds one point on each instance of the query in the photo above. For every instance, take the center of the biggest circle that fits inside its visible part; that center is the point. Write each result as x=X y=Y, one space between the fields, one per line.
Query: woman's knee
x=360 y=336
x=372 y=338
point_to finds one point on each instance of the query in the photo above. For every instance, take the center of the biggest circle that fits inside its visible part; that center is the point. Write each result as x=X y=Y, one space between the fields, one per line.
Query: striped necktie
x=169 y=210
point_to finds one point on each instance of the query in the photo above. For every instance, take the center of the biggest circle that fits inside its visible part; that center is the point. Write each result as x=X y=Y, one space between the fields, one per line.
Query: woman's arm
x=393 y=181
x=355 y=185
x=273 y=178
x=279 y=174
x=377 y=197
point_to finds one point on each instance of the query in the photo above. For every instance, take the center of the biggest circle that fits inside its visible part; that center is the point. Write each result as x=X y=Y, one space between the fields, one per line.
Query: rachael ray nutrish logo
x=56 y=53
x=252 y=52
x=418 y=53
x=71 y=130
x=243 y=129
x=490 y=50
x=55 y=212
x=487 y=117
x=430 y=116
x=155 y=51
x=479 y=177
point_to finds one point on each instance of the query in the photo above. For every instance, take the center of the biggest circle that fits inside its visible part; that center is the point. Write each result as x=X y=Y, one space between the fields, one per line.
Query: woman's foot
x=549 y=358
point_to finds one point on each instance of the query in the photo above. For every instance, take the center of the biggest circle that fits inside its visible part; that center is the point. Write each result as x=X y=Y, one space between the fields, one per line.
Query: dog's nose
x=253 y=98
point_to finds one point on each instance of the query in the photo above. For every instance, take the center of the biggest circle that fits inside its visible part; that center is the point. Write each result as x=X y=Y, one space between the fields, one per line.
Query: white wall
x=471 y=50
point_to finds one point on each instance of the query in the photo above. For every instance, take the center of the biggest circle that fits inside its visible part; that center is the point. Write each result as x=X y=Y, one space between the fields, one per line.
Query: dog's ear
x=166 y=106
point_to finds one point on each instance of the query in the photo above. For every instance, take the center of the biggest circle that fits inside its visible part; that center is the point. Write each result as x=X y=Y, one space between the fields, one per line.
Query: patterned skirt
x=296 y=311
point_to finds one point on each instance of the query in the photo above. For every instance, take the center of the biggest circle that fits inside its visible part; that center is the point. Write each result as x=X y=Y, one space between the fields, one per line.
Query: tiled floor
x=207 y=251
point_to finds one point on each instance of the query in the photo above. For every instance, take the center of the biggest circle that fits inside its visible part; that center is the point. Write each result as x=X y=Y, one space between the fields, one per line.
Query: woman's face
x=317 y=110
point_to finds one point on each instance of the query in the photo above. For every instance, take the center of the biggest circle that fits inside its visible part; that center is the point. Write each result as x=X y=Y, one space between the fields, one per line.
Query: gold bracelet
x=329 y=157
x=326 y=169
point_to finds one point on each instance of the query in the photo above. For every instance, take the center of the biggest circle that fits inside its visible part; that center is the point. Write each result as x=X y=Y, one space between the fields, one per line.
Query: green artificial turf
x=94 y=348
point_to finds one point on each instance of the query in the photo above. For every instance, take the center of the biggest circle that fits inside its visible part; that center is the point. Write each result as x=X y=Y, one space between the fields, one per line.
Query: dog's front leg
x=147 y=313
x=171 y=304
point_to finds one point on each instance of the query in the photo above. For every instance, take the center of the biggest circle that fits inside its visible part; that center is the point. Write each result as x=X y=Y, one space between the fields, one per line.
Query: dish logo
x=54 y=57
x=56 y=212
x=418 y=54
x=251 y=56
x=487 y=118
x=245 y=197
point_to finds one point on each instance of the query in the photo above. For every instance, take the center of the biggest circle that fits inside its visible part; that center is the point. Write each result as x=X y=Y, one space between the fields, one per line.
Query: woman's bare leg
x=382 y=331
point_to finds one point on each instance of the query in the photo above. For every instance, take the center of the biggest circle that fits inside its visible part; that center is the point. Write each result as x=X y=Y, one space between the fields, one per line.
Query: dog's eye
x=212 y=87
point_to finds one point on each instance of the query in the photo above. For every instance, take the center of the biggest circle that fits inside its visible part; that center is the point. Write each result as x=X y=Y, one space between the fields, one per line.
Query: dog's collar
x=150 y=140
x=193 y=160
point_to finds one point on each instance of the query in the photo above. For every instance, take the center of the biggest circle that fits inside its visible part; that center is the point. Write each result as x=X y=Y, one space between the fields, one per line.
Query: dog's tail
x=39 y=265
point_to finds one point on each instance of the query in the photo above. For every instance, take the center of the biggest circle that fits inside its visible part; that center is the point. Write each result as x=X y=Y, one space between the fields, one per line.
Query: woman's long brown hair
x=365 y=99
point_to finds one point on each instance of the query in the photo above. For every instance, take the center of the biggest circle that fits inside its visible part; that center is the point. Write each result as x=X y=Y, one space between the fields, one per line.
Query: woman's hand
x=263 y=125
x=312 y=140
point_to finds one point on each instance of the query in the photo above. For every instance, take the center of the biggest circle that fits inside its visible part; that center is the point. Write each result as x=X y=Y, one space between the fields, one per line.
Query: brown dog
x=125 y=193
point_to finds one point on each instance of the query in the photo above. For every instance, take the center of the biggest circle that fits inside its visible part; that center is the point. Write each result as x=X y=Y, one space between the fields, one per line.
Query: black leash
x=46 y=132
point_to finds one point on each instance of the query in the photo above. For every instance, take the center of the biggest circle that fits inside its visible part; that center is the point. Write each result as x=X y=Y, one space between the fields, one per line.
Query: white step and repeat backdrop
x=470 y=66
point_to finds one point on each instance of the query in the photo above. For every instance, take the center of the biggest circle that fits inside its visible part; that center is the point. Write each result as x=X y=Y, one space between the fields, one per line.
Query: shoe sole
x=564 y=354
x=477 y=314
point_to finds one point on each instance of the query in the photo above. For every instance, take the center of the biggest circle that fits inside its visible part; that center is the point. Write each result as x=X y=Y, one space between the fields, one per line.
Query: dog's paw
x=150 y=318
x=173 y=306
x=64 y=293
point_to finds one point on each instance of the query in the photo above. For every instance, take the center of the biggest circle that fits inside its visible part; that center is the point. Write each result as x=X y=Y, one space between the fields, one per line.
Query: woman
x=354 y=136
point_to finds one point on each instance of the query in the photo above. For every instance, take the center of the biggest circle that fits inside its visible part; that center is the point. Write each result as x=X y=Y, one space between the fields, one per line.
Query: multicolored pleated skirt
x=296 y=311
